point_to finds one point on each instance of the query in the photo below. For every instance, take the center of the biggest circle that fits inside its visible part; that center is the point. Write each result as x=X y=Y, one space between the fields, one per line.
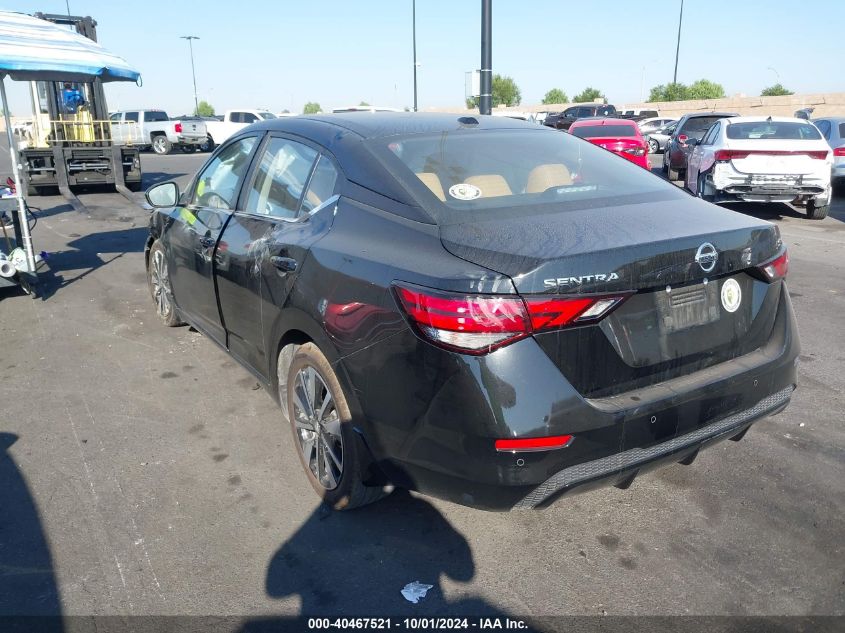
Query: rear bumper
x=622 y=468
x=186 y=140
x=734 y=184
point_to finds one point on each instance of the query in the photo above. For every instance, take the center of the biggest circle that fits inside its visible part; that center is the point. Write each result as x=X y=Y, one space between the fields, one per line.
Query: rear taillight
x=178 y=128
x=635 y=151
x=478 y=324
x=729 y=154
x=839 y=151
x=775 y=268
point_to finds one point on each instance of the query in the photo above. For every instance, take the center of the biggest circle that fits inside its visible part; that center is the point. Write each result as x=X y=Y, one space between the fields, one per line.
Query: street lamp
x=777 y=74
x=414 y=25
x=193 y=72
x=678 y=47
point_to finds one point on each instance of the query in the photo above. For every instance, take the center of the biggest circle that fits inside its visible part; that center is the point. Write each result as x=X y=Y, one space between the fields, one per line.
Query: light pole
x=414 y=24
x=777 y=74
x=485 y=100
x=193 y=72
x=678 y=47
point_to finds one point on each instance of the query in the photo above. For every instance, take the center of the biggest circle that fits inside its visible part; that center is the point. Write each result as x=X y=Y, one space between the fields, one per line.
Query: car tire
x=158 y=280
x=208 y=146
x=665 y=167
x=161 y=145
x=817 y=212
x=699 y=191
x=653 y=146
x=189 y=149
x=330 y=451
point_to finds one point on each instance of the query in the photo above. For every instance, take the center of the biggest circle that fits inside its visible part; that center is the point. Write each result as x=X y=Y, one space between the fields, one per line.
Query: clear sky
x=279 y=55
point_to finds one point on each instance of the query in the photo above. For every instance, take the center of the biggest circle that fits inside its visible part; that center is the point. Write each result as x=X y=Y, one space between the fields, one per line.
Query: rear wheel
x=158 y=278
x=190 y=149
x=208 y=145
x=330 y=452
x=161 y=145
x=653 y=146
x=816 y=211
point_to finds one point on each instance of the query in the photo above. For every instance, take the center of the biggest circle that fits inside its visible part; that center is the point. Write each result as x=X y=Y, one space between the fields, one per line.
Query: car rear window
x=697 y=126
x=602 y=131
x=468 y=170
x=773 y=130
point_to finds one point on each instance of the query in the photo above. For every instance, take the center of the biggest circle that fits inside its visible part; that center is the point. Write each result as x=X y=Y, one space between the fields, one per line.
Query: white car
x=762 y=159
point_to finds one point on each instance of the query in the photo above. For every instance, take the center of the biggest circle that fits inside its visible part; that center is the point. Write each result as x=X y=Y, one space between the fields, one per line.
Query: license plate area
x=690 y=306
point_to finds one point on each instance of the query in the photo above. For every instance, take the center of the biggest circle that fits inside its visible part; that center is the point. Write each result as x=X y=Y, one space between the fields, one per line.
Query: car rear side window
x=131 y=116
x=774 y=130
x=603 y=131
x=322 y=185
x=154 y=116
x=279 y=179
x=470 y=170
x=842 y=130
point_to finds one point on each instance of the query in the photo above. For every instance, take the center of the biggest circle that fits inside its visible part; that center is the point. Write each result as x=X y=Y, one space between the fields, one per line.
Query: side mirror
x=165 y=194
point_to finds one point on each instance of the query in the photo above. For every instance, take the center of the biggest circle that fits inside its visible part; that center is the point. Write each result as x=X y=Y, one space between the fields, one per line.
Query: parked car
x=233 y=121
x=678 y=148
x=205 y=146
x=763 y=159
x=562 y=120
x=640 y=113
x=495 y=332
x=154 y=129
x=833 y=129
x=658 y=138
x=620 y=136
x=654 y=123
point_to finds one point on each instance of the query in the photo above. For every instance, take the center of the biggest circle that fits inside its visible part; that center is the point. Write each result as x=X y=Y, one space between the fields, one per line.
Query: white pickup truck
x=153 y=128
x=233 y=120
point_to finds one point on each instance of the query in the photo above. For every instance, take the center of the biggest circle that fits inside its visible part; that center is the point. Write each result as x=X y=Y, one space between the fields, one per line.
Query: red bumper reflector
x=521 y=445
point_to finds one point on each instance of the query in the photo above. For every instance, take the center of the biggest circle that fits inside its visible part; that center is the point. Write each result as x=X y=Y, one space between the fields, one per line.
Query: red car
x=619 y=136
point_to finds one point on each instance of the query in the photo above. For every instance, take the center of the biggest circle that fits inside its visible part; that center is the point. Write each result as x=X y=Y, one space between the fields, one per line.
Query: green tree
x=705 y=89
x=364 y=104
x=588 y=95
x=555 y=95
x=204 y=108
x=505 y=91
x=472 y=102
x=776 y=91
x=669 y=92
x=312 y=107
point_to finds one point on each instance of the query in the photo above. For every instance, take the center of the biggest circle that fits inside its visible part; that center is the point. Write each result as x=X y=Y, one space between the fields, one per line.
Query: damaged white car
x=763 y=159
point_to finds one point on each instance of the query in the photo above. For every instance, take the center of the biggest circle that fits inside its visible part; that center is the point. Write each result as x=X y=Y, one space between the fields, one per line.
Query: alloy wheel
x=318 y=427
x=161 y=284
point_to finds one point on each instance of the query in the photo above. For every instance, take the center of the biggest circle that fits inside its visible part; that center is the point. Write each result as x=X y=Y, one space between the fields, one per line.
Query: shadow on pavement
x=356 y=563
x=27 y=580
x=151 y=178
x=88 y=253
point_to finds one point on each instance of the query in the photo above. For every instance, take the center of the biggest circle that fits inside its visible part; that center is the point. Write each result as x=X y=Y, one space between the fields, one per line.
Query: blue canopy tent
x=32 y=49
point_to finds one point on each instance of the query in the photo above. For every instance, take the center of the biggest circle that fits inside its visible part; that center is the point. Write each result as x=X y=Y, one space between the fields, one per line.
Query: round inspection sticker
x=731 y=295
x=464 y=191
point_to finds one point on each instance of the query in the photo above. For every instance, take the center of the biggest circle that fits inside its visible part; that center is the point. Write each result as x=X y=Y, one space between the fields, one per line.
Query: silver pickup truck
x=154 y=129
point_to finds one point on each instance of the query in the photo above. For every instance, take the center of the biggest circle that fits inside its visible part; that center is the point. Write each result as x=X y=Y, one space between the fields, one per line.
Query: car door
x=192 y=238
x=699 y=151
x=267 y=241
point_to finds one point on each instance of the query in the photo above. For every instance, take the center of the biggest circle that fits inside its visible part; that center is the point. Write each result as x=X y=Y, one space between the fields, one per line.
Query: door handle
x=284 y=264
x=207 y=242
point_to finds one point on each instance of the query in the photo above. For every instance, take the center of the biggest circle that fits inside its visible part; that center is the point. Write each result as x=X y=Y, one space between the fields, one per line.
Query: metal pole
x=678 y=47
x=485 y=100
x=193 y=71
x=414 y=23
x=26 y=238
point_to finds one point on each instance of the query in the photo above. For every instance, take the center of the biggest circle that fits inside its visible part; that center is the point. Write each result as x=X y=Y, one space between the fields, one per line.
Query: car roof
x=763 y=119
x=836 y=119
x=696 y=115
x=369 y=125
x=602 y=120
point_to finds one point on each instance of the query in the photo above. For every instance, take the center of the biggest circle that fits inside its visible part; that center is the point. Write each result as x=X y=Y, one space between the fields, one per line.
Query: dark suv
x=562 y=120
x=690 y=126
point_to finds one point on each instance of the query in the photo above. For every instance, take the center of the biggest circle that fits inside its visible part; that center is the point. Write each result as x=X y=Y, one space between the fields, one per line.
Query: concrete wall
x=829 y=104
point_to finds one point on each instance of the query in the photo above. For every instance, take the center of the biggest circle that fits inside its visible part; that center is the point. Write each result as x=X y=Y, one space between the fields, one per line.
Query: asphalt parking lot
x=143 y=472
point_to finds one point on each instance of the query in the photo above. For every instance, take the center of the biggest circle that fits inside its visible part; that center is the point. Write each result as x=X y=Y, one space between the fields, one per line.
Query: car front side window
x=218 y=185
x=280 y=178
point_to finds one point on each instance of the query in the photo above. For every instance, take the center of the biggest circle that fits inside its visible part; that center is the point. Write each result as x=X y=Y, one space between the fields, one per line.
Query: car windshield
x=697 y=126
x=602 y=131
x=471 y=170
x=773 y=130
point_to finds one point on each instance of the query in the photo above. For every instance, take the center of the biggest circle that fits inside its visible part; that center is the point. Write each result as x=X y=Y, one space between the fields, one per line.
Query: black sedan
x=474 y=307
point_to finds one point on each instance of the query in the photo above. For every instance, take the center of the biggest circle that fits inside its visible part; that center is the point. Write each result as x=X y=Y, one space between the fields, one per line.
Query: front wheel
x=158 y=278
x=161 y=145
x=817 y=211
x=329 y=450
